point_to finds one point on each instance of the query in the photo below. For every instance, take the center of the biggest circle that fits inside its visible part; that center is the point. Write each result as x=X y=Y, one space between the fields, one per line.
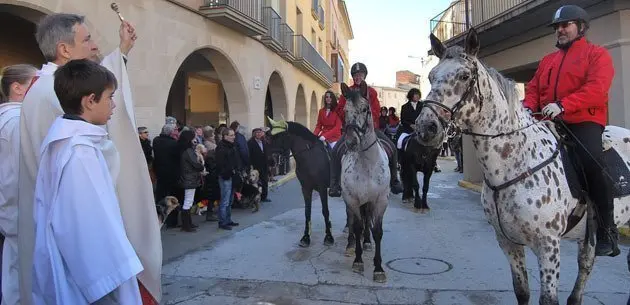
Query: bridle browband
x=362 y=130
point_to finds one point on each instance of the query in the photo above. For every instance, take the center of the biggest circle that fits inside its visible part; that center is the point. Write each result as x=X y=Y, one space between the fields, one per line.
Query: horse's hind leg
x=586 y=258
x=308 y=196
x=377 y=231
x=328 y=240
x=351 y=238
x=516 y=256
x=357 y=266
x=365 y=212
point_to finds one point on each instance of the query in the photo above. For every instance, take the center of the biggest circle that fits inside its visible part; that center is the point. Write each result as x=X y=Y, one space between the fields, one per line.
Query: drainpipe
x=466 y=4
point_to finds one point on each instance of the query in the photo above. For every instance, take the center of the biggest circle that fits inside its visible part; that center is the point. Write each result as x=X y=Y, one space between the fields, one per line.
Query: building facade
x=515 y=36
x=206 y=61
x=391 y=97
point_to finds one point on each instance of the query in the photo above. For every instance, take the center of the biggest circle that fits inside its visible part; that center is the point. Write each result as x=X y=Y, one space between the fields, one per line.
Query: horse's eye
x=464 y=76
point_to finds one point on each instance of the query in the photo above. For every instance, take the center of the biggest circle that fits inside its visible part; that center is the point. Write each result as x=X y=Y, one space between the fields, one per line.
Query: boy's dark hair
x=79 y=78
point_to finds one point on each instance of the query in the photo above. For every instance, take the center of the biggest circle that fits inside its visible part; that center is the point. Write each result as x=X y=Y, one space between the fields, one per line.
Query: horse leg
x=306 y=239
x=351 y=238
x=586 y=258
x=328 y=240
x=377 y=231
x=548 y=253
x=367 y=242
x=345 y=229
x=404 y=174
x=357 y=265
x=516 y=256
x=424 y=207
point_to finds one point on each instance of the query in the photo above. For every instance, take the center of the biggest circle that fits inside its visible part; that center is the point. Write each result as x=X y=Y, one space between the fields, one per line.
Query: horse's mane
x=301 y=131
x=508 y=88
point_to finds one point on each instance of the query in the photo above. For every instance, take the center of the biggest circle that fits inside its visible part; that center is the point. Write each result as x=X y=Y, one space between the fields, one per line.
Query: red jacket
x=393 y=120
x=579 y=78
x=328 y=126
x=375 y=106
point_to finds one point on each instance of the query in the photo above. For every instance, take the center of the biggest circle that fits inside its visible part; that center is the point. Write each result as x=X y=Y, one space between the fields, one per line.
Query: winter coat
x=191 y=169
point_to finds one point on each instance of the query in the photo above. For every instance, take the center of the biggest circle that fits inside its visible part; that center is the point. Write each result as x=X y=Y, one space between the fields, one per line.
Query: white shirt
x=82 y=252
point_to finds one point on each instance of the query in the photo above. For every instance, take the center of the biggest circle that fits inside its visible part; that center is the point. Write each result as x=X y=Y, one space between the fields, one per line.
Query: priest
x=61 y=38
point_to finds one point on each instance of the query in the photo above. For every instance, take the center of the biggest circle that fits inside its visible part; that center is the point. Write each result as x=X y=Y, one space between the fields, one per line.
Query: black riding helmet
x=571 y=12
x=358 y=67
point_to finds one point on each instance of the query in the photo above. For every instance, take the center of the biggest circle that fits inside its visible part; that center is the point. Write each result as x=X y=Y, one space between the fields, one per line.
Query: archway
x=22 y=47
x=314 y=111
x=301 y=116
x=276 y=99
x=207 y=90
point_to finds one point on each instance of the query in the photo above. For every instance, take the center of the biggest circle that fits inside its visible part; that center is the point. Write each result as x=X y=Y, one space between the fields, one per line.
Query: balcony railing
x=484 y=10
x=308 y=59
x=287 y=41
x=272 y=21
x=314 y=8
x=242 y=15
x=322 y=18
x=450 y=22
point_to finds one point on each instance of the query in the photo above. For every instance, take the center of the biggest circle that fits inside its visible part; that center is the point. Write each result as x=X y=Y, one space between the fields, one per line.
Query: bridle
x=362 y=130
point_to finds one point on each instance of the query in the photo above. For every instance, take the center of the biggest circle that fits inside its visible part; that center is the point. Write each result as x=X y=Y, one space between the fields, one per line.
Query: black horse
x=312 y=168
x=416 y=157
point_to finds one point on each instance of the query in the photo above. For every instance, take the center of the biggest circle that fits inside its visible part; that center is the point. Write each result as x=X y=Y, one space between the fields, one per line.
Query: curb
x=283 y=180
x=469 y=185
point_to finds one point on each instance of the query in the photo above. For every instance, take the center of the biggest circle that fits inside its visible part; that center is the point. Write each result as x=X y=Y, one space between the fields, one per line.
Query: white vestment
x=9 y=160
x=82 y=253
x=128 y=168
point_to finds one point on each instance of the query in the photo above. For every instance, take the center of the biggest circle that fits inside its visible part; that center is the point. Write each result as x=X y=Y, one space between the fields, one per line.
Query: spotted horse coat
x=520 y=153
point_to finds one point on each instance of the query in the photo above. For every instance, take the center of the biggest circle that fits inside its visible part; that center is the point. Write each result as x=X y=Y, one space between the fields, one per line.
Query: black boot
x=607 y=236
x=394 y=182
x=335 y=171
x=187 y=221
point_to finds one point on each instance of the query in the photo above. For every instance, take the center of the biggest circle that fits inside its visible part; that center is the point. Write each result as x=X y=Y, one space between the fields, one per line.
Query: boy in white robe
x=82 y=253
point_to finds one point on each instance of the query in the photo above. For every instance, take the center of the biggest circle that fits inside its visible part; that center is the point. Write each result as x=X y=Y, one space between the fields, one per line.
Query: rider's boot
x=394 y=182
x=607 y=235
x=335 y=172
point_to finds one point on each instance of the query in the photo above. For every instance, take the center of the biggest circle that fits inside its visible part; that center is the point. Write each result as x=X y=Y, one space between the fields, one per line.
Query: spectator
x=258 y=156
x=143 y=133
x=227 y=161
x=166 y=161
x=241 y=143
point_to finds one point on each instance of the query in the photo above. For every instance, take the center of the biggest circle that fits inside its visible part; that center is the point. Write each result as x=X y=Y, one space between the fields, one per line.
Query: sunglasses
x=563 y=24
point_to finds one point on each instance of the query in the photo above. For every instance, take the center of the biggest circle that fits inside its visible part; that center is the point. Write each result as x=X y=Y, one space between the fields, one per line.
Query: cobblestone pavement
x=448 y=256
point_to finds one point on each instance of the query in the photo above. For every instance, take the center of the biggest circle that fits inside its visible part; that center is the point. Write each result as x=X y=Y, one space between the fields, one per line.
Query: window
x=313 y=37
x=336 y=63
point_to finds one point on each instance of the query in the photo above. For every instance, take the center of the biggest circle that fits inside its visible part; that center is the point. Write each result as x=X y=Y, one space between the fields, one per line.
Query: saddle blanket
x=401 y=140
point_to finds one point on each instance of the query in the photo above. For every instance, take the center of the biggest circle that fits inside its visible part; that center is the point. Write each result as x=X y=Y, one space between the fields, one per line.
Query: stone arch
x=207 y=88
x=301 y=115
x=276 y=102
x=314 y=111
x=21 y=18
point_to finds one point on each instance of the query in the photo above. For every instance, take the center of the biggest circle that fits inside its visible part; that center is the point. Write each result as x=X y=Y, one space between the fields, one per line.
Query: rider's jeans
x=225 y=205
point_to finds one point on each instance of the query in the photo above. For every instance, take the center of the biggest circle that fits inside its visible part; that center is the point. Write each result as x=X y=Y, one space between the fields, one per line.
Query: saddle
x=576 y=178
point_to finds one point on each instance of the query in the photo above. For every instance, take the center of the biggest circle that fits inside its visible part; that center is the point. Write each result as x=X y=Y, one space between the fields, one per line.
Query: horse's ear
x=364 y=89
x=344 y=89
x=472 y=42
x=437 y=46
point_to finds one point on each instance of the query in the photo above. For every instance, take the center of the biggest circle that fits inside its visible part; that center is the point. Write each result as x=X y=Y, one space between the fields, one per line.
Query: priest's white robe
x=127 y=167
x=9 y=160
x=81 y=253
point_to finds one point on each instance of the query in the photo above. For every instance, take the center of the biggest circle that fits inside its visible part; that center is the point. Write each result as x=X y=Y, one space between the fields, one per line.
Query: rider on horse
x=577 y=94
x=328 y=127
x=359 y=72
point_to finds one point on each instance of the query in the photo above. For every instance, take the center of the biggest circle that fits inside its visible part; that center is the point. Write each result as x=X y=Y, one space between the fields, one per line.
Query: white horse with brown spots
x=526 y=195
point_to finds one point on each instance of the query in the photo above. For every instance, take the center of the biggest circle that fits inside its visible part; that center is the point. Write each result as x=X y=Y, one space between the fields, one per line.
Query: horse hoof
x=380 y=277
x=305 y=242
x=349 y=252
x=357 y=267
x=329 y=240
x=367 y=247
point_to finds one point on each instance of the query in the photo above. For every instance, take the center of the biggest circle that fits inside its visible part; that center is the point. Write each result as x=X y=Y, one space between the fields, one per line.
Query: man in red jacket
x=359 y=72
x=572 y=84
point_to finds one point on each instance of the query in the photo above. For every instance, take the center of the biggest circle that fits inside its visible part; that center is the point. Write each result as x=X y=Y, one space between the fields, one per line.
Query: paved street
x=449 y=256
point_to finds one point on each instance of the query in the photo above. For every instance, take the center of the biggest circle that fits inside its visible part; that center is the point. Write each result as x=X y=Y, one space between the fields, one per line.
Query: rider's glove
x=552 y=110
x=322 y=138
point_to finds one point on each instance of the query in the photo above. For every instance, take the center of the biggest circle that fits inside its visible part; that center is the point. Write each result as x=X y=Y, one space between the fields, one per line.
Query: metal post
x=466 y=4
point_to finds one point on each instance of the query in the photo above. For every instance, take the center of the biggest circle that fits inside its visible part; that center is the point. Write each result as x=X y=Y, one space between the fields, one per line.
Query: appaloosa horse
x=418 y=157
x=365 y=177
x=528 y=192
x=312 y=168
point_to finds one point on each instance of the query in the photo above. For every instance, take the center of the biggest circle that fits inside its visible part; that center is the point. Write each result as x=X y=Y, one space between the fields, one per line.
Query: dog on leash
x=164 y=208
x=251 y=191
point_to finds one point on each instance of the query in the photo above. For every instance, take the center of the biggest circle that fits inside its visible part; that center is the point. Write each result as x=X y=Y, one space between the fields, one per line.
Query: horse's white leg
x=516 y=256
x=586 y=259
x=548 y=253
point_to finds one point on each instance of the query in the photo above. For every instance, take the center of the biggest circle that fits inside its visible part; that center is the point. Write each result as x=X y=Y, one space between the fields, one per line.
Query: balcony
x=272 y=21
x=288 y=42
x=322 y=18
x=309 y=61
x=450 y=22
x=244 y=16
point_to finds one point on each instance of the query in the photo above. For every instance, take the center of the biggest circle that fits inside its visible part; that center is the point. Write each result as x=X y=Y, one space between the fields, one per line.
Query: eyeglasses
x=563 y=24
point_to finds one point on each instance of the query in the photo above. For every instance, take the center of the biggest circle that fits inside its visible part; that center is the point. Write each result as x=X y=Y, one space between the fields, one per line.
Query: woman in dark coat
x=190 y=176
